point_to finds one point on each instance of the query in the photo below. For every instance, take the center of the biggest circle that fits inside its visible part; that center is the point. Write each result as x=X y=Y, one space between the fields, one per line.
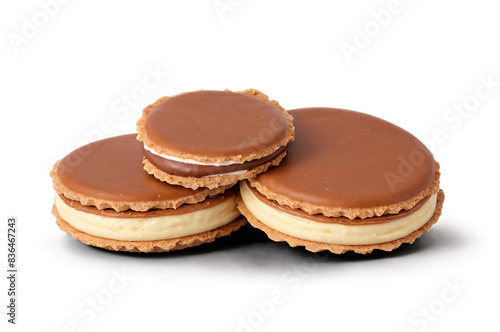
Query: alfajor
x=104 y=198
x=350 y=182
x=213 y=138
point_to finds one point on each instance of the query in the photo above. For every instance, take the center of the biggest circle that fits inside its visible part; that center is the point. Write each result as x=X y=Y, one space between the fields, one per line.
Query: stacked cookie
x=196 y=146
x=349 y=181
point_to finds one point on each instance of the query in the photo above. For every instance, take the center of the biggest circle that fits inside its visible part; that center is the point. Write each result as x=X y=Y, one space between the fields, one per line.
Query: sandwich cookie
x=350 y=182
x=104 y=198
x=213 y=138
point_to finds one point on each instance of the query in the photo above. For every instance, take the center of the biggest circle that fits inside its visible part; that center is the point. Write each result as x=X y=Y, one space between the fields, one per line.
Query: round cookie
x=106 y=199
x=351 y=181
x=213 y=138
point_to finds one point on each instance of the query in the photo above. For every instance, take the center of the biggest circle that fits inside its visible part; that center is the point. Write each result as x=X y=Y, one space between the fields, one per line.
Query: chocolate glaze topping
x=348 y=159
x=215 y=124
x=112 y=169
x=184 y=169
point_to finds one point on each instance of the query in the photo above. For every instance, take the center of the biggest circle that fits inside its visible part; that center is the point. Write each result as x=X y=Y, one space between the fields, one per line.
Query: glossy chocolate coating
x=215 y=124
x=112 y=169
x=348 y=159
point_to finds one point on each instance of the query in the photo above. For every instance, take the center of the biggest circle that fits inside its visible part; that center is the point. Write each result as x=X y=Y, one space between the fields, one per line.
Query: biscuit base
x=341 y=248
x=211 y=182
x=149 y=246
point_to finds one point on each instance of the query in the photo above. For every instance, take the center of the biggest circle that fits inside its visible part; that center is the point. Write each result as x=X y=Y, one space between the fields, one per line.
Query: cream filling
x=149 y=229
x=334 y=233
x=194 y=162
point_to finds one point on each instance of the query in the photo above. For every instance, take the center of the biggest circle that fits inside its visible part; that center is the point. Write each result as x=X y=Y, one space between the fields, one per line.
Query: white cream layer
x=334 y=233
x=149 y=229
x=190 y=161
x=194 y=162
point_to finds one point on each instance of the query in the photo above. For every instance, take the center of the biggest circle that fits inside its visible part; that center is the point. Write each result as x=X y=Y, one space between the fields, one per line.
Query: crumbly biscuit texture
x=150 y=246
x=337 y=248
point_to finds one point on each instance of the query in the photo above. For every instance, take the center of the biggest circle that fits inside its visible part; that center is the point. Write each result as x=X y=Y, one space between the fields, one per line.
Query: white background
x=65 y=82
